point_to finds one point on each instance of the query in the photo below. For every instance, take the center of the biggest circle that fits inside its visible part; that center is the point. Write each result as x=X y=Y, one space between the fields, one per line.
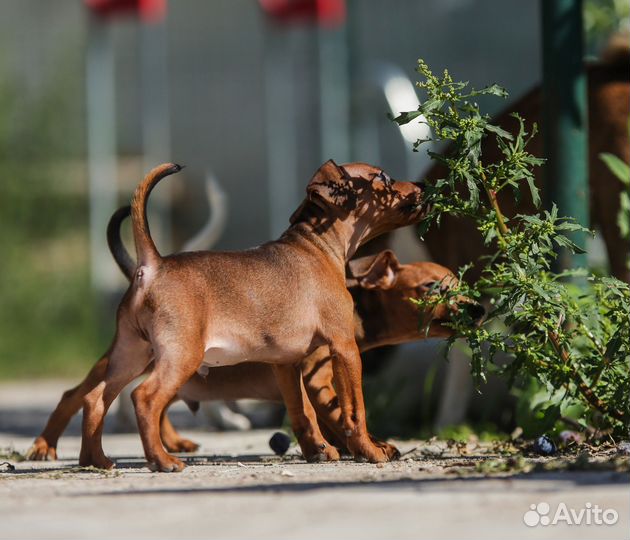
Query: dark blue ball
x=544 y=446
x=280 y=443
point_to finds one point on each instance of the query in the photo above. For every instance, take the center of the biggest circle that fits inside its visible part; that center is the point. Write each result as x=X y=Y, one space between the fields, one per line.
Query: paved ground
x=234 y=488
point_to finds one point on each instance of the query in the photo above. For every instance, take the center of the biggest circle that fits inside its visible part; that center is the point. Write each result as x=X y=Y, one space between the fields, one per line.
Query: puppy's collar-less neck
x=329 y=246
x=318 y=227
x=330 y=233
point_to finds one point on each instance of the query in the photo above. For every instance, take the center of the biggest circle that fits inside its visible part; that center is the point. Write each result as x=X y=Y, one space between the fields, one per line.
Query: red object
x=328 y=13
x=147 y=10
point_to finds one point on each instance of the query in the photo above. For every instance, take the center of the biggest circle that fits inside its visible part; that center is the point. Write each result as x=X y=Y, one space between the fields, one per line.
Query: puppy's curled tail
x=124 y=261
x=146 y=252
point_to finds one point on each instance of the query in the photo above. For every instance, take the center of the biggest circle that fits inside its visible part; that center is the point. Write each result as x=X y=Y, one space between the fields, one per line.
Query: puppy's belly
x=223 y=356
x=229 y=353
x=244 y=381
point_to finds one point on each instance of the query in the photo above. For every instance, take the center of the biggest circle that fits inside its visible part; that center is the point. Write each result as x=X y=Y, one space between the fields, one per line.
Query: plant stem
x=502 y=229
x=584 y=389
x=492 y=194
x=576 y=425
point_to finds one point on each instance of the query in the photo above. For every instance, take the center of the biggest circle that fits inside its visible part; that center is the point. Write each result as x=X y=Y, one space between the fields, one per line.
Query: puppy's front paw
x=41 y=451
x=367 y=451
x=315 y=451
x=166 y=463
x=181 y=446
x=324 y=453
x=390 y=450
x=100 y=462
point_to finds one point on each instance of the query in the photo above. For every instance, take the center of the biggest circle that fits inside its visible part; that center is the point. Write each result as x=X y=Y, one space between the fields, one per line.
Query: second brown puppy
x=381 y=288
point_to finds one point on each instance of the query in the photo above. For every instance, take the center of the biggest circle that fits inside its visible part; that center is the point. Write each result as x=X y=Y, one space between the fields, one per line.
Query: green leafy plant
x=622 y=171
x=572 y=338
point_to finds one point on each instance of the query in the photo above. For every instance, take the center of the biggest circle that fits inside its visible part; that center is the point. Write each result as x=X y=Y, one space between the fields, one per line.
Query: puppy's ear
x=295 y=216
x=382 y=273
x=330 y=184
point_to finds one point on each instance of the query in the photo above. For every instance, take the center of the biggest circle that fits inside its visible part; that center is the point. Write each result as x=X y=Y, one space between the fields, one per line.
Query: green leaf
x=492 y=90
x=473 y=141
x=406 y=117
x=613 y=345
x=500 y=132
x=570 y=226
x=424 y=226
x=617 y=166
x=473 y=189
x=623 y=216
x=431 y=105
x=534 y=191
x=563 y=241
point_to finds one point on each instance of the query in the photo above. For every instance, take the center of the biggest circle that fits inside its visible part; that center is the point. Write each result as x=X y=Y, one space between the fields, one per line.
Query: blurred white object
x=400 y=94
x=219 y=415
x=209 y=235
x=401 y=97
x=455 y=395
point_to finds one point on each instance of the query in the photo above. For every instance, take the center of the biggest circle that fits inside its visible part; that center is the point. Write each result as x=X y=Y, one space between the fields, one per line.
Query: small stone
x=624 y=448
x=568 y=437
x=544 y=446
x=280 y=443
x=286 y=472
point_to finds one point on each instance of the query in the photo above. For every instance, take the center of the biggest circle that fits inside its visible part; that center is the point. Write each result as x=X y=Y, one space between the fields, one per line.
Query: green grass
x=50 y=320
x=486 y=432
x=48 y=317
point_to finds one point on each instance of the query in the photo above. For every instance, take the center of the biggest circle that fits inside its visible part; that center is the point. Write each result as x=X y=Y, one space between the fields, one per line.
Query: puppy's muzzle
x=476 y=312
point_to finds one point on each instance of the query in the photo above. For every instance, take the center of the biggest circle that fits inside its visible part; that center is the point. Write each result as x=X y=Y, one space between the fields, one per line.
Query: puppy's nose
x=475 y=311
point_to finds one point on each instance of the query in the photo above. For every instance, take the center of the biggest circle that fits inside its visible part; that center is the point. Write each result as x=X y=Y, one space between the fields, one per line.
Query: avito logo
x=590 y=514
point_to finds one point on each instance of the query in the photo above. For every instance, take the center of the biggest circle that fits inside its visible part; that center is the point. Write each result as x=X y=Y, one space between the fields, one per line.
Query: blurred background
x=255 y=94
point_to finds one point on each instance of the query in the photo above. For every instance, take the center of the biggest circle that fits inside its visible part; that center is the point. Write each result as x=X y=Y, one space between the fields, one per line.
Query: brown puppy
x=381 y=288
x=280 y=301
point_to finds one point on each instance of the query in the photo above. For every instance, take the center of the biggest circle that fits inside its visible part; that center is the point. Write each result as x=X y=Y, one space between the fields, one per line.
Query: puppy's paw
x=367 y=451
x=181 y=446
x=317 y=451
x=166 y=463
x=41 y=451
x=372 y=456
x=390 y=450
x=100 y=462
x=324 y=453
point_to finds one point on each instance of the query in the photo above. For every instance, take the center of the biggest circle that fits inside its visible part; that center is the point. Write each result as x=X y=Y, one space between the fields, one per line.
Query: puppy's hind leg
x=172 y=440
x=175 y=363
x=303 y=418
x=45 y=446
x=129 y=357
